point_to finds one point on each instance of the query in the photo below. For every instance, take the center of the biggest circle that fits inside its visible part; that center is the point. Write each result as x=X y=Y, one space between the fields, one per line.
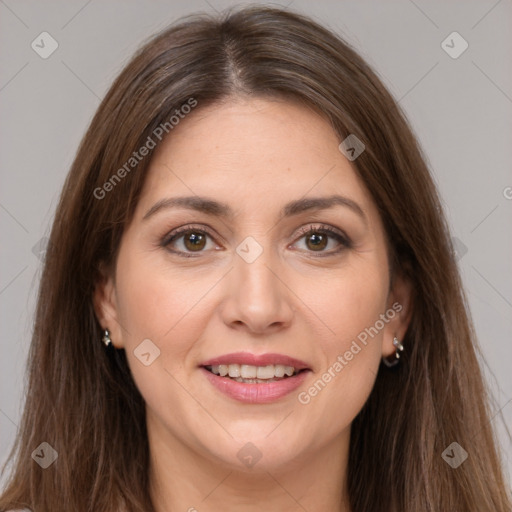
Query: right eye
x=187 y=240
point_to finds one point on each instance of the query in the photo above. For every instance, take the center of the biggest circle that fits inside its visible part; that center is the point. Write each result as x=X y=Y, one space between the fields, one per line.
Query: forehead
x=252 y=152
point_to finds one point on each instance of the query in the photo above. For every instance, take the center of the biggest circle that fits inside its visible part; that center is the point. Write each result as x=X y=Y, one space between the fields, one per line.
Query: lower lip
x=255 y=393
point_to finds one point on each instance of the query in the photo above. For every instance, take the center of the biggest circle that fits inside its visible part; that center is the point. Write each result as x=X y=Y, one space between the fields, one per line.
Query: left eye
x=317 y=239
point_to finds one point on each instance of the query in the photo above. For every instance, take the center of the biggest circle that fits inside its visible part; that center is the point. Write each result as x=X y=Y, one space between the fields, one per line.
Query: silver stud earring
x=106 y=338
x=394 y=359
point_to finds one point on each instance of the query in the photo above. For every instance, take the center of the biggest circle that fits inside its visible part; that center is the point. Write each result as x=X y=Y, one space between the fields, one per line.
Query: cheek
x=167 y=307
x=349 y=302
x=350 y=305
x=155 y=298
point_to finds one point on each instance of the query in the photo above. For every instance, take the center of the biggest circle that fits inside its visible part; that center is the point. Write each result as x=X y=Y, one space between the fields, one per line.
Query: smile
x=253 y=374
x=255 y=379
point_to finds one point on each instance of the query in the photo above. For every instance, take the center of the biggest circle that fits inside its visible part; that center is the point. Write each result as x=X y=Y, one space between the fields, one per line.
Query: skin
x=255 y=155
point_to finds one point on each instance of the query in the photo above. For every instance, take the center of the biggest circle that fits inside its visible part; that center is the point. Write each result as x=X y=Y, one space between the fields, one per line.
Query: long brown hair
x=81 y=399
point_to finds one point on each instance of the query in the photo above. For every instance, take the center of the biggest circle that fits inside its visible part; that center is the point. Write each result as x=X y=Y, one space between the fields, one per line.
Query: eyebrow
x=218 y=209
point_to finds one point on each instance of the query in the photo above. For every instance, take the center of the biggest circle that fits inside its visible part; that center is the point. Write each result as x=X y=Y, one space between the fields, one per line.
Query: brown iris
x=318 y=241
x=194 y=241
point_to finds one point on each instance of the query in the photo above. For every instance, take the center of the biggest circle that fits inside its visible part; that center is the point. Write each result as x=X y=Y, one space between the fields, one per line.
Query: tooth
x=289 y=370
x=248 y=372
x=279 y=370
x=265 y=372
x=253 y=373
x=234 y=370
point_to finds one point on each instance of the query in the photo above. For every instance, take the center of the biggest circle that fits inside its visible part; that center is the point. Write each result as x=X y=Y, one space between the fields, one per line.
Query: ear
x=105 y=305
x=399 y=312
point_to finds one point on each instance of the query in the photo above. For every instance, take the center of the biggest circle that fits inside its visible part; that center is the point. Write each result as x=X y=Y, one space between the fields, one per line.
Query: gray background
x=459 y=108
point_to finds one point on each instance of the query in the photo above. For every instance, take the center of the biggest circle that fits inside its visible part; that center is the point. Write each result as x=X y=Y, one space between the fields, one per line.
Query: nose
x=257 y=299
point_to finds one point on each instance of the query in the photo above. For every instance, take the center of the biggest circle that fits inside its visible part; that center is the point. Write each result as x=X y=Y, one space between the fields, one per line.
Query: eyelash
x=322 y=229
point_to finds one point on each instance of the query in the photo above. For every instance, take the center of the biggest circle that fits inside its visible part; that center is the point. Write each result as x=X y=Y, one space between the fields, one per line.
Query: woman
x=241 y=305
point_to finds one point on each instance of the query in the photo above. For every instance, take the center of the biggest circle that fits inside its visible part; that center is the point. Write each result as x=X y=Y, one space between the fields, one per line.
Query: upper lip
x=257 y=360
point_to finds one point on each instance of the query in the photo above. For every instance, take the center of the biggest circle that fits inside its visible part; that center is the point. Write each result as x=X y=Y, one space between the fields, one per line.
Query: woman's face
x=246 y=290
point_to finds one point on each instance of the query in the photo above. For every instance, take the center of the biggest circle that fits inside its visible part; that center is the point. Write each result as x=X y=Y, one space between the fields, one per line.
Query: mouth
x=249 y=374
x=253 y=378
